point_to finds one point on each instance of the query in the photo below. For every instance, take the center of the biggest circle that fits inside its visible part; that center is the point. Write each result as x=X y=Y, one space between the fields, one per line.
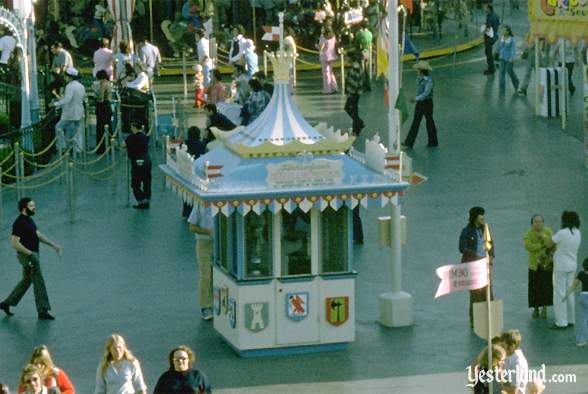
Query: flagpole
x=488 y=246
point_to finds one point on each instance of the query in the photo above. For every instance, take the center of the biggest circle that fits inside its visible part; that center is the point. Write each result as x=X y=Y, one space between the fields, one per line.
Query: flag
x=410 y=48
x=464 y=276
x=401 y=105
x=272 y=33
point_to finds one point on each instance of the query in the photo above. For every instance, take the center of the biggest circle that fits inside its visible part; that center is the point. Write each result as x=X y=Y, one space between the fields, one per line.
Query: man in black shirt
x=25 y=240
x=138 y=151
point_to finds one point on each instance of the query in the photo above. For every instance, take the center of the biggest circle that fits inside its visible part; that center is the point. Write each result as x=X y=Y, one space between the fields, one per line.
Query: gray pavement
x=134 y=273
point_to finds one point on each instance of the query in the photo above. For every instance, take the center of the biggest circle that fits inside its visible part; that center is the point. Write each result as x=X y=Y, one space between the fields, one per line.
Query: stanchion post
x=128 y=182
x=342 y=55
x=294 y=67
x=265 y=62
x=70 y=190
x=17 y=169
x=113 y=164
x=1 y=201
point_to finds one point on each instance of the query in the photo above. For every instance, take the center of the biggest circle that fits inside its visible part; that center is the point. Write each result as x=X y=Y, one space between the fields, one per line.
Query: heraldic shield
x=337 y=310
x=216 y=300
x=297 y=305
x=257 y=316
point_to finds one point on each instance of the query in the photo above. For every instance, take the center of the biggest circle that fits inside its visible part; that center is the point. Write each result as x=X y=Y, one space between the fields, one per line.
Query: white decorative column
x=395 y=305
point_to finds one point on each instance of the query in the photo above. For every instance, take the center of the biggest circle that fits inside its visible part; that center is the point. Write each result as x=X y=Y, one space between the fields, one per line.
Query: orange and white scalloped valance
x=554 y=19
x=289 y=203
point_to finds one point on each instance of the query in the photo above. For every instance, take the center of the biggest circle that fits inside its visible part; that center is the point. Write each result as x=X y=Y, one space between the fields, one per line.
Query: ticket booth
x=282 y=193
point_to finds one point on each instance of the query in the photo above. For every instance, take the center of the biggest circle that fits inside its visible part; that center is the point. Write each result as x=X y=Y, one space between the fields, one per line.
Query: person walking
x=69 y=127
x=582 y=324
x=423 y=107
x=103 y=59
x=204 y=59
x=507 y=51
x=529 y=56
x=327 y=55
x=540 y=261
x=150 y=57
x=565 y=263
x=572 y=55
x=490 y=32
x=102 y=94
x=475 y=243
x=181 y=377
x=54 y=377
x=25 y=240
x=137 y=145
x=353 y=90
x=201 y=224
x=119 y=372
x=363 y=44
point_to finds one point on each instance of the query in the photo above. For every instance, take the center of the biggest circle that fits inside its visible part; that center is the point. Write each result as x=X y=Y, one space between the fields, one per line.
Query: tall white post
x=395 y=305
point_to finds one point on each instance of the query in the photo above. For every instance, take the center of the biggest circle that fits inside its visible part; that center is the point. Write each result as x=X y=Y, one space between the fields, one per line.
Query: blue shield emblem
x=216 y=304
x=297 y=305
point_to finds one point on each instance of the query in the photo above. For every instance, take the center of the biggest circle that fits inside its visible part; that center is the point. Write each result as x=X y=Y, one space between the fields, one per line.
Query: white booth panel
x=224 y=291
x=337 y=310
x=256 y=318
x=297 y=312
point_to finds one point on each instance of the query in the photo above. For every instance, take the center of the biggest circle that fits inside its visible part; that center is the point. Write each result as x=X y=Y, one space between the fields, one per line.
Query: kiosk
x=282 y=194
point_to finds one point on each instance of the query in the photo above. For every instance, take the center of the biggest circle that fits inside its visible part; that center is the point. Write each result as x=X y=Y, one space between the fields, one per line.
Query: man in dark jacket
x=475 y=243
x=138 y=151
x=490 y=37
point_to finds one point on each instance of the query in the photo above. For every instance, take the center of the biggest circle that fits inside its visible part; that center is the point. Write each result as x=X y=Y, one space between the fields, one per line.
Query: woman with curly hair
x=32 y=378
x=119 y=371
x=181 y=378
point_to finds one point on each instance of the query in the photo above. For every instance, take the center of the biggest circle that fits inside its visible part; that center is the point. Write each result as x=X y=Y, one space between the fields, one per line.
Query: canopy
x=122 y=13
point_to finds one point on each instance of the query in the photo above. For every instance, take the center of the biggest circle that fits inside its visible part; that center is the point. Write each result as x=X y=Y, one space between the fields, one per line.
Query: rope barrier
x=87 y=163
x=5 y=170
x=107 y=177
x=92 y=151
x=37 y=175
x=41 y=152
x=28 y=187
x=7 y=157
x=92 y=174
x=38 y=165
x=302 y=49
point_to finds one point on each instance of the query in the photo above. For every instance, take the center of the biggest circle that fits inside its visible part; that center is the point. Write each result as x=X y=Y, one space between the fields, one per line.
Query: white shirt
x=202 y=218
x=127 y=379
x=150 y=55
x=242 y=41
x=203 y=48
x=7 y=45
x=119 y=63
x=103 y=60
x=140 y=83
x=565 y=257
x=72 y=103
x=517 y=371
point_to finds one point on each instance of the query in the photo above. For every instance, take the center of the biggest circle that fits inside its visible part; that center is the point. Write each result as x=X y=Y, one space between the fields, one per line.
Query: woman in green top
x=540 y=266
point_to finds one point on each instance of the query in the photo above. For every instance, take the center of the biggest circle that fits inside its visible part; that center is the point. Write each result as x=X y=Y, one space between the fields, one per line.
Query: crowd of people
x=119 y=371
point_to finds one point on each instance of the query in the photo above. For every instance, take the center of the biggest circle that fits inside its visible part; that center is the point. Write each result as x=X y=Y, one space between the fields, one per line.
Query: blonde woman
x=119 y=371
x=32 y=378
x=54 y=377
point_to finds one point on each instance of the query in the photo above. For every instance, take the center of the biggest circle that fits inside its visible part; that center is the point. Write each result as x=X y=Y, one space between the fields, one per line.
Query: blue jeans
x=582 y=321
x=506 y=66
x=69 y=133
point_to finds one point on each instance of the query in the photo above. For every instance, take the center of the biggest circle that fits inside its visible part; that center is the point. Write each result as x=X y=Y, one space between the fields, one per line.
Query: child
x=199 y=100
x=516 y=367
x=536 y=386
x=582 y=323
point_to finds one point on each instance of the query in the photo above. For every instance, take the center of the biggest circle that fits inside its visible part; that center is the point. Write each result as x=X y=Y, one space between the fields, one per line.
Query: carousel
x=282 y=193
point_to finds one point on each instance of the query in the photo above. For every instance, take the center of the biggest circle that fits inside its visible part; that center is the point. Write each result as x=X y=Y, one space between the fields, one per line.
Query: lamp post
x=395 y=305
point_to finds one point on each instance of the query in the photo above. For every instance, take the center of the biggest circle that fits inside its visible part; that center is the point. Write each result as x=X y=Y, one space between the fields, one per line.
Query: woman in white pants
x=565 y=264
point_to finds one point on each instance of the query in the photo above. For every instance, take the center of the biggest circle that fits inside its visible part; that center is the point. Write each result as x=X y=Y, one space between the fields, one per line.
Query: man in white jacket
x=69 y=127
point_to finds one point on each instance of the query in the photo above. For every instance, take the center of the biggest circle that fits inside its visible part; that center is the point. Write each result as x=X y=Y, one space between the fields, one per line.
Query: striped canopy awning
x=122 y=13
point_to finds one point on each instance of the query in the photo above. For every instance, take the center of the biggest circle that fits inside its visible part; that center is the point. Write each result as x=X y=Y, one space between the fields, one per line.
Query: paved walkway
x=134 y=272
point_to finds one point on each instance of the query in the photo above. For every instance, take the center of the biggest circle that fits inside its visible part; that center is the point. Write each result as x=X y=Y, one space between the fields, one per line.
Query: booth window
x=334 y=249
x=227 y=245
x=258 y=245
x=296 y=245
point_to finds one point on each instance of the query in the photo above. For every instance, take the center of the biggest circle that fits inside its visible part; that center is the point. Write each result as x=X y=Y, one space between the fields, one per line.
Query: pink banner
x=464 y=276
